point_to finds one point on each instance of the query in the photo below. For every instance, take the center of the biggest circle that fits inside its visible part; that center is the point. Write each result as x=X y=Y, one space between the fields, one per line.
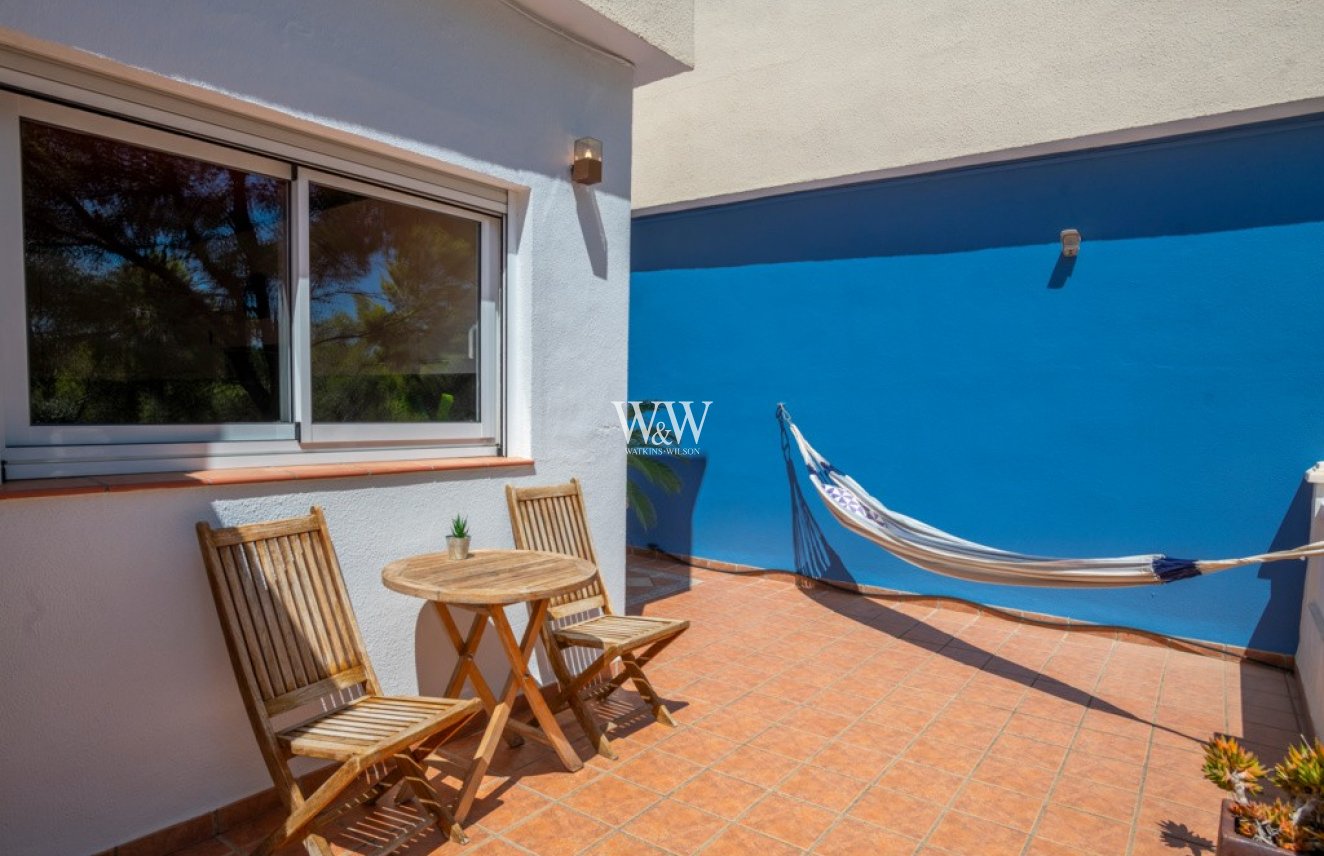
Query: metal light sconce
x=587 y=165
x=1070 y=243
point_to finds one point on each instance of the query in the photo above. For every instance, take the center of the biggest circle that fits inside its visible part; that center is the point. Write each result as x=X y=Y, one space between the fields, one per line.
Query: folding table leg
x=519 y=654
x=498 y=714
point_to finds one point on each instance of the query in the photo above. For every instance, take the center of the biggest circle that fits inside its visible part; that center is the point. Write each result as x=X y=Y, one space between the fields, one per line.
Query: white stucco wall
x=789 y=93
x=657 y=37
x=120 y=713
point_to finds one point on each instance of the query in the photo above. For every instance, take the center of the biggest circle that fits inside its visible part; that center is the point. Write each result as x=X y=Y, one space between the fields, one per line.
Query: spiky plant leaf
x=1233 y=768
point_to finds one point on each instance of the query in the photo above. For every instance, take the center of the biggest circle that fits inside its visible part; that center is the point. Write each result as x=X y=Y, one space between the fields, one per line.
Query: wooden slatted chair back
x=286 y=616
x=552 y=518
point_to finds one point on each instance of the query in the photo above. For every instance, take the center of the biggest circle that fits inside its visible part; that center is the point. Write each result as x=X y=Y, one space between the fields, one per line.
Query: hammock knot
x=1170 y=570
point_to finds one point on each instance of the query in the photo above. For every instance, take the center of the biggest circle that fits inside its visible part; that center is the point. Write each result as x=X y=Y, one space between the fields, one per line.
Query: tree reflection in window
x=395 y=303
x=154 y=284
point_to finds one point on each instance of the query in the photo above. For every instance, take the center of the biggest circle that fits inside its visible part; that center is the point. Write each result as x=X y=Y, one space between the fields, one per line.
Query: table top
x=488 y=576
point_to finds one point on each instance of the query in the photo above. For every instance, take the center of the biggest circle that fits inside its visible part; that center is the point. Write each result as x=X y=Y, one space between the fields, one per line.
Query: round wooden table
x=485 y=584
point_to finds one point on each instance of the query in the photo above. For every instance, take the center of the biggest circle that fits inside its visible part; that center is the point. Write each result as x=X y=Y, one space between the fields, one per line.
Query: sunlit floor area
x=813 y=720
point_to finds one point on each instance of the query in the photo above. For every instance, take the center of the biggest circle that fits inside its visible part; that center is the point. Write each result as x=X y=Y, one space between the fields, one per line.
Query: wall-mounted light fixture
x=1070 y=243
x=587 y=165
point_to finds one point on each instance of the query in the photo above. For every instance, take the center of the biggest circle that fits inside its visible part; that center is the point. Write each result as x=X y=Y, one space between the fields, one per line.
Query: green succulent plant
x=459 y=527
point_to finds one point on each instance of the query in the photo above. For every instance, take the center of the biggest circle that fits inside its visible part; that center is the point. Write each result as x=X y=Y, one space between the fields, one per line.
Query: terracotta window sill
x=30 y=488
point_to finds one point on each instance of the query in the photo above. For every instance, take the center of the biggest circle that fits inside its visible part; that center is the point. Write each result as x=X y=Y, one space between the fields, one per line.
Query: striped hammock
x=937 y=551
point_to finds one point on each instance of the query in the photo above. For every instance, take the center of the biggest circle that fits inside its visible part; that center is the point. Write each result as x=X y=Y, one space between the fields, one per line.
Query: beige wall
x=793 y=92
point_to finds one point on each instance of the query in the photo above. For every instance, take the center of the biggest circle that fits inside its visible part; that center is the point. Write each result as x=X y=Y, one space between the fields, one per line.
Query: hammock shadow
x=816 y=560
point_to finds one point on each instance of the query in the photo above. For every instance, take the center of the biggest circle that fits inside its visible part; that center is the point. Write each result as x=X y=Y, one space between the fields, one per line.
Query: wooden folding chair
x=293 y=641
x=553 y=519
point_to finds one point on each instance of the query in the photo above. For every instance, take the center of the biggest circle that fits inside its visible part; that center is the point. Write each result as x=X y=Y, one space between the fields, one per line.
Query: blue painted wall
x=1163 y=393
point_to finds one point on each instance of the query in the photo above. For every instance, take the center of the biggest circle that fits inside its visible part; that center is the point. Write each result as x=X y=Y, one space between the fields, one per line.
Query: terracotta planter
x=1233 y=843
x=457 y=548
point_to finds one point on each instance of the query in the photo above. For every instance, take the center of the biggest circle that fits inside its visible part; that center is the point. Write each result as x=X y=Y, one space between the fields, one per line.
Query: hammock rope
x=940 y=552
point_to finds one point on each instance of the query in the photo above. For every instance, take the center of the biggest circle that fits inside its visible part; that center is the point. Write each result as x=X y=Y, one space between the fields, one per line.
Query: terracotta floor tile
x=791 y=742
x=1027 y=779
x=1043 y=847
x=1109 y=771
x=739 y=840
x=789 y=820
x=879 y=737
x=715 y=690
x=1144 y=846
x=733 y=725
x=611 y=799
x=902 y=717
x=1119 y=723
x=765 y=709
x=855 y=761
x=998 y=804
x=897 y=812
x=818 y=721
x=756 y=766
x=930 y=783
x=842 y=701
x=853 y=837
x=658 y=771
x=496 y=847
x=1096 y=798
x=505 y=807
x=557 y=831
x=1039 y=703
x=1188 y=790
x=620 y=844
x=720 y=794
x=963 y=833
x=1111 y=746
x=1029 y=751
x=695 y=744
x=676 y=826
x=962 y=732
x=1042 y=730
x=953 y=758
x=822 y=787
x=1089 y=833
x=1162 y=821
x=551 y=779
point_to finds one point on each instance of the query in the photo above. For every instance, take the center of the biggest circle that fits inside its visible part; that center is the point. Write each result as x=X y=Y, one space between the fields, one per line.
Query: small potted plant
x=1255 y=828
x=457 y=543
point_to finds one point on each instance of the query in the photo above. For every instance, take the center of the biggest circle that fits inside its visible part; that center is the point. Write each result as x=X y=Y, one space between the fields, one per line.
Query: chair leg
x=570 y=696
x=303 y=812
x=428 y=798
x=633 y=672
x=316 y=845
x=420 y=753
x=641 y=683
x=596 y=735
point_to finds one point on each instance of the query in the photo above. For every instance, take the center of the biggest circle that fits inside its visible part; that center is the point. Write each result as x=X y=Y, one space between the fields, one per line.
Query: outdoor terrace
x=819 y=721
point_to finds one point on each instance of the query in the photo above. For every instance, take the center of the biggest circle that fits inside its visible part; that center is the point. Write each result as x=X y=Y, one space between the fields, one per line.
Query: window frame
x=486 y=347
x=50 y=451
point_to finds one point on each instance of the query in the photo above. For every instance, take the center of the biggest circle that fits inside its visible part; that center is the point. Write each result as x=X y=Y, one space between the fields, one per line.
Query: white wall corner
x=654 y=36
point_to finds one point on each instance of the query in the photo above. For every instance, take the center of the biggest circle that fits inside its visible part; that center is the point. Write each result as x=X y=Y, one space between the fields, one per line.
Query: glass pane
x=395 y=299
x=153 y=285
